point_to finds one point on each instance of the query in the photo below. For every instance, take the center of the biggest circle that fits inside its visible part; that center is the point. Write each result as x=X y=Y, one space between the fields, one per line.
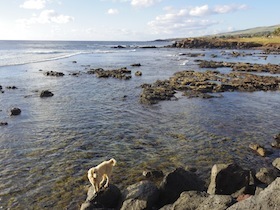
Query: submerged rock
x=122 y=73
x=46 y=93
x=15 y=111
x=54 y=73
x=204 y=84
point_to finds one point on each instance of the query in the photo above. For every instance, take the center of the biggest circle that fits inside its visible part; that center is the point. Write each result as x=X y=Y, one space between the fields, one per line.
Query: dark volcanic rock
x=142 y=195
x=200 y=84
x=3 y=123
x=227 y=179
x=138 y=73
x=46 y=93
x=177 y=182
x=243 y=67
x=105 y=199
x=54 y=73
x=213 y=43
x=202 y=201
x=15 y=111
x=122 y=73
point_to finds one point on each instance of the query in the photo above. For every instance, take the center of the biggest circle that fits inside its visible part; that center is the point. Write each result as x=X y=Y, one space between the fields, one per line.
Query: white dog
x=98 y=174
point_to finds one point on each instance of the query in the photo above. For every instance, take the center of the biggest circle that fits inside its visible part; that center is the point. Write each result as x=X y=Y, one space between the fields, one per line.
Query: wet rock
x=104 y=199
x=203 y=84
x=11 y=87
x=153 y=174
x=15 y=111
x=267 y=199
x=276 y=163
x=177 y=182
x=136 y=64
x=122 y=73
x=46 y=93
x=259 y=149
x=54 y=73
x=138 y=73
x=142 y=195
x=74 y=61
x=3 y=123
x=227 y=179
x=276 y=142
x=243 y=67
x=1 y=87
x=266 y=175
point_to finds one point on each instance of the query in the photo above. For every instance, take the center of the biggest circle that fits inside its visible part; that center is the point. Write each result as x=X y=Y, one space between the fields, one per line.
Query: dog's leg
x=107 y=181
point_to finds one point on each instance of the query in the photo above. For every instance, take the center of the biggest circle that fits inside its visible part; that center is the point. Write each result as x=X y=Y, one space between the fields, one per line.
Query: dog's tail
x=113 y=161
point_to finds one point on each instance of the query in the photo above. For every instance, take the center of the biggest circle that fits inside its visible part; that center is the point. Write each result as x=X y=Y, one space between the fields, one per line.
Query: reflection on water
x=47 y=150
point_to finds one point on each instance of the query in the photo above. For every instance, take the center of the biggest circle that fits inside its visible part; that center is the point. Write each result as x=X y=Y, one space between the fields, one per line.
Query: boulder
x=177 y=182
x=202 y=201
x=276 y=163
x=267 y=199
x=266 y=175
x=46 y=93
x=227 y=179
x=109 y=197
x=15 y=111
x=142 y=195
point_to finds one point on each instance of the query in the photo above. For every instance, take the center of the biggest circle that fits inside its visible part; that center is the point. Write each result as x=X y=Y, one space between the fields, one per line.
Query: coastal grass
x=261 y=40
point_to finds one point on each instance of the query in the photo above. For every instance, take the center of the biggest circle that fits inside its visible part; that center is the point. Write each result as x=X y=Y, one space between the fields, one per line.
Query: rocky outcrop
x=242 y=67
x=213 y=43
x=122 y=73
x=15 y=111
x=259 y=149
x=54 y=73
x=205 y=84
x=267 y=199
x=231 y=188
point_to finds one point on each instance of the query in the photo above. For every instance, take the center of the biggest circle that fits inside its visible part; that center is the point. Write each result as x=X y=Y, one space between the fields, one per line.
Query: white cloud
x=46 y=16
x=190 y=18
x=199 y=11
x=144 y=3
x=34 y=4
x=113 y=11
x=222 y=9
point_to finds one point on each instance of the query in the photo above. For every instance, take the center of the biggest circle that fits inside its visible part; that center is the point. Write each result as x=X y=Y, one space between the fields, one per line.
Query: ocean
x=45 y=152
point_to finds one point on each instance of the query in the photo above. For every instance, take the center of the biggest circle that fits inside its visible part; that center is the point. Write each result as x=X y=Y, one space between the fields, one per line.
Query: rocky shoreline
x=231 y=187
x=206 y=85
x=219 y=43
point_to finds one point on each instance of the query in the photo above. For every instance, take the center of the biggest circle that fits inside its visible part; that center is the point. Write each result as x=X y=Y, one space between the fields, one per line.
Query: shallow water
x=47 y=150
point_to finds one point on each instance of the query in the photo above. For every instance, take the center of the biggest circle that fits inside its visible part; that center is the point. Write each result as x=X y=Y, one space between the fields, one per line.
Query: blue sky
x=130 y=19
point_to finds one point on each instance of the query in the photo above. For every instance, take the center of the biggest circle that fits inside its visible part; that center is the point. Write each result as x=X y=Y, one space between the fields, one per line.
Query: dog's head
x=92 y=173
